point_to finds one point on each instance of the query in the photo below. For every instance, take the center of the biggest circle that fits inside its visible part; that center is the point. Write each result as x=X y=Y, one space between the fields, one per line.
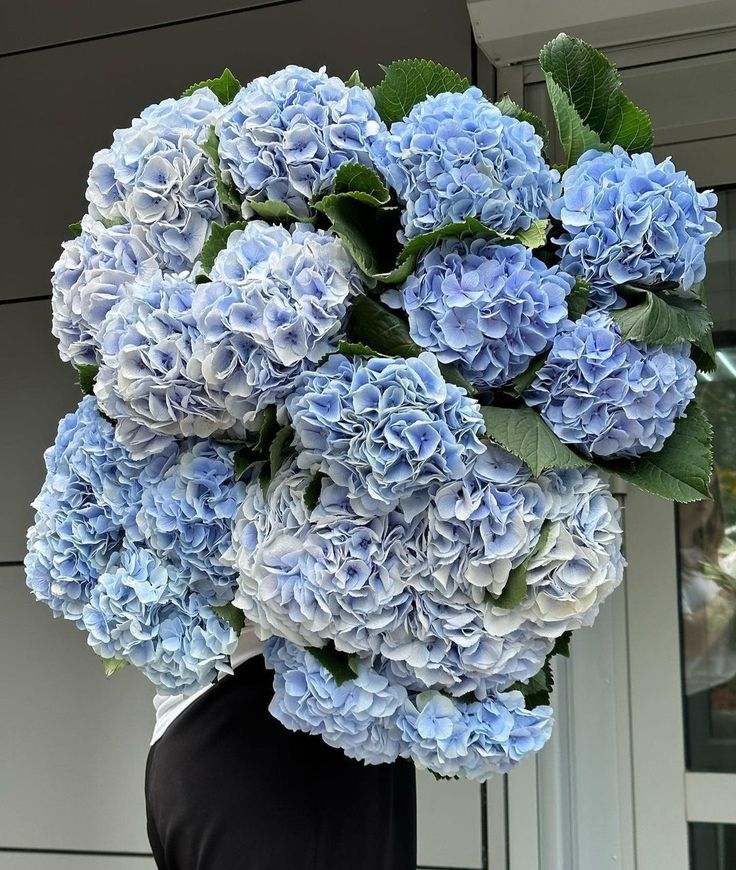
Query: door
x=641 y=773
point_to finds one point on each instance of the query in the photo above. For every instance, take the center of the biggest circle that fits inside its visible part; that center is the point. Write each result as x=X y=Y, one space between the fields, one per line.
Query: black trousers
x=229 y=788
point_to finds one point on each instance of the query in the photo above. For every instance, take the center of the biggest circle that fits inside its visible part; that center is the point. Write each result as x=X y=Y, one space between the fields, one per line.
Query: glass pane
x=712 y=847
x=707 y=538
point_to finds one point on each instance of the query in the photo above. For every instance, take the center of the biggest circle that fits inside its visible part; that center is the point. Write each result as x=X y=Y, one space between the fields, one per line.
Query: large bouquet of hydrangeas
x=357 y=365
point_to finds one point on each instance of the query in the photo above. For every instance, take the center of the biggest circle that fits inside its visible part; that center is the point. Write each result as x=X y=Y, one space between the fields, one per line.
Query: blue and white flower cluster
x=377 y=720
x=388 y=430
x=489 y=308
x=284 y=136
x=627 y=218
x=455 y=156
x=256 y=441
x=132 y=551
x=155 y=175
x=610 y=397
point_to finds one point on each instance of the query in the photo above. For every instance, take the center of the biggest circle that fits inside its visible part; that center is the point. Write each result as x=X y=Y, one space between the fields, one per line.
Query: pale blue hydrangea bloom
x=186 y=514
x=283 y=136
x=90 y=493
x=487 y=523
x=359 y=717
x=608 y=397
x=579 y=565
x=275 y=307
x=149 y=380
x=374 y=719
x=89 y=278
x=156 y=175
x=627 y=218
x=473 y=740
x=141 y=610
x=456 y=156
x=389 y=430
x=444 y=642
x=328 y=574
x=488 y=308
x=133 y=550
x=387 y=584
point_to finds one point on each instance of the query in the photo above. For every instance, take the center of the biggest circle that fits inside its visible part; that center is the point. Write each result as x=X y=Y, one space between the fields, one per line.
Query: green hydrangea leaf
x=535 y=236
x=514 y=591
x=87 y=375
x=508 y=107
x=538 y=690
x=522 y=381
x=112 y=222
x=244 y=459
x=313 y=490
x=356 y=178
x=273 y=210
x=339 y=664
x=224 y=88
x=577 y=299
x=682 y=469
x=562 y=645
x=524 y=433
x=366 y=228
x=281 y=448
x=352 y=348
x=661 y=319
x=232 y=615
x=216 y=241
x=408 y=82
x=76 y=229
x=590 y=109
x=703 y=353
x=375 y=327
x=353 y=80
x=269 y=427
x=112 y=666
x=226 y=193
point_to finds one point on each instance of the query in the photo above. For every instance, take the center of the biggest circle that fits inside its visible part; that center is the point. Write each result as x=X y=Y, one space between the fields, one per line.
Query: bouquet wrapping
x=357 y=365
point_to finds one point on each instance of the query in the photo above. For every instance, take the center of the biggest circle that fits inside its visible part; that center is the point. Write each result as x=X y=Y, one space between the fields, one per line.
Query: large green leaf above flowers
x=408 y=82
x=681 y=470
x=524 y=433
x=661 y=319
x=373 y=327
x=589 y=106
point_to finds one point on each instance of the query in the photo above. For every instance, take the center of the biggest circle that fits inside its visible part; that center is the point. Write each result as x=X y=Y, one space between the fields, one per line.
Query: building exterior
x=641 y=773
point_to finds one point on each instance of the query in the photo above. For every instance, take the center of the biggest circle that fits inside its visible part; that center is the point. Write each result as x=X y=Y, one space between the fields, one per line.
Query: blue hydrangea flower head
x=186 y=515
x=91 y=492
x=89 y=278
x=326 y=575
x=488 y=308
x=360 y=716
x=608 y=397
x=577 y=565
x=389 y=430
x=275 y=306
x=149 y=380
x=473 y=740
x=456 y=156
x=373 y=717
x=142 y=611
x=284 y=136
x=627 y=218
x=156 y=175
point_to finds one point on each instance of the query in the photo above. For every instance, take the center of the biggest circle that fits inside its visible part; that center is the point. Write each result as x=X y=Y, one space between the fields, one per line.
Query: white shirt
x=168 y=707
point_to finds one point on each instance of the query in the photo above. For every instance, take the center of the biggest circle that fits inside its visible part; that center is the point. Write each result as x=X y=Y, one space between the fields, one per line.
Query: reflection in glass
x=712 y=847
x=707 y=540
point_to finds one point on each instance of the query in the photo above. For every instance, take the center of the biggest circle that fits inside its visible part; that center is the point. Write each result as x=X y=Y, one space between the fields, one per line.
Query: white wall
x=72 y=744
